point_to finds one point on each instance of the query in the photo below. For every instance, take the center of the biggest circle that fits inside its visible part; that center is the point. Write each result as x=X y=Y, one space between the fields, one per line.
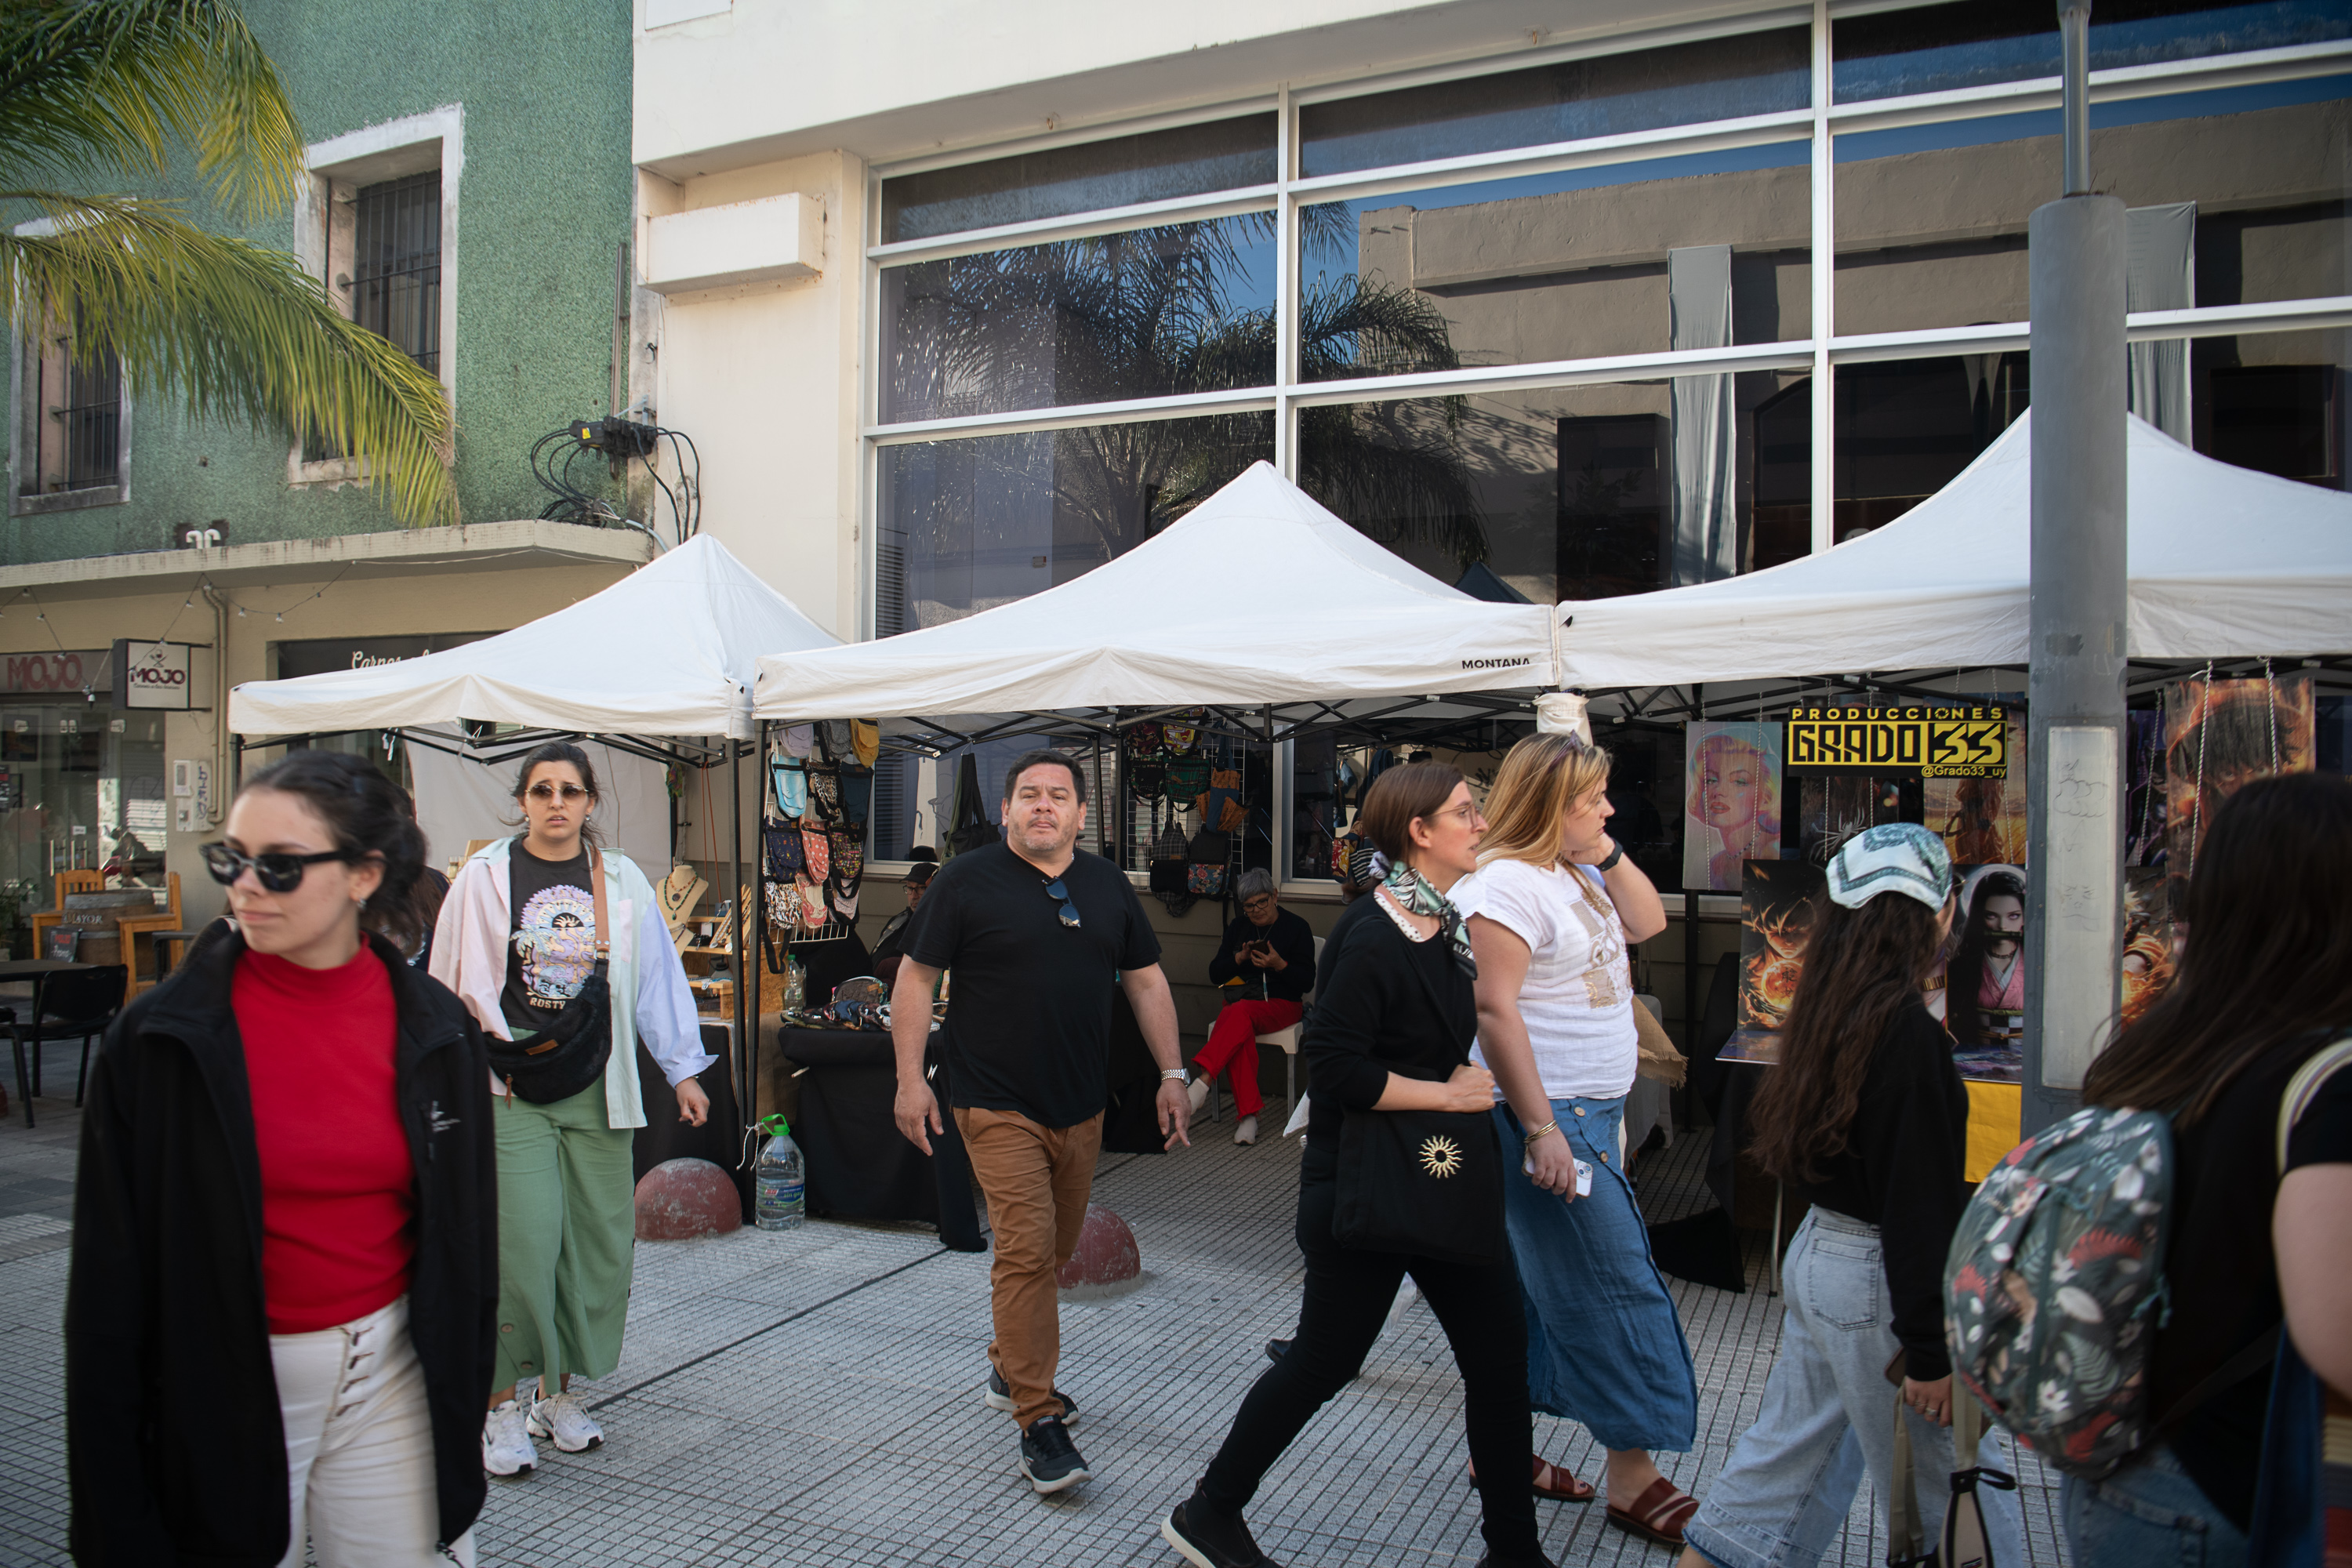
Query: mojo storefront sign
x=1961 y=741
x=324 y=654
x=150 y=675
x=68 y=672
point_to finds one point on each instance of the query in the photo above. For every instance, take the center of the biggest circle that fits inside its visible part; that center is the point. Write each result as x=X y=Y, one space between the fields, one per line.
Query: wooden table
x=37 y=971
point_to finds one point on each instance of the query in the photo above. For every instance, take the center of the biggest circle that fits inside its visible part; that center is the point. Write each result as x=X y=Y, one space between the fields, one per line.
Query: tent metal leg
x=746 y=1052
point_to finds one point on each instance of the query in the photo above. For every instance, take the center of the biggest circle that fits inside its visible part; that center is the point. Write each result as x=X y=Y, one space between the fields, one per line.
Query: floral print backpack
x=2053 y=1289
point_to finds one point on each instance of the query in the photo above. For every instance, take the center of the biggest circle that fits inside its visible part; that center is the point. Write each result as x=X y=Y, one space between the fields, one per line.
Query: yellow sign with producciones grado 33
x=1923 y=740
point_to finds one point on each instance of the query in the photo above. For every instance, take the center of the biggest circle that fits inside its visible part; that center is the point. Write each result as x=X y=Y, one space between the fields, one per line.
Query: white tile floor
x=813 y=1397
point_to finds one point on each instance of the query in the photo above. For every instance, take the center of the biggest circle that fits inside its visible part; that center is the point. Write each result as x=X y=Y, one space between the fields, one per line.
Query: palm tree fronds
x=240 y=331
x=89 y=89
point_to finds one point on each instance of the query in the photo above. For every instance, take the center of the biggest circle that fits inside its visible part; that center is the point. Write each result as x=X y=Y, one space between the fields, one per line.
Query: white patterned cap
x=1893 y=858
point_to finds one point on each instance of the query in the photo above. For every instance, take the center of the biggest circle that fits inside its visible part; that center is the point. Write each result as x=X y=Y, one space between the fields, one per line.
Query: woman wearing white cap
x=1865 y=1118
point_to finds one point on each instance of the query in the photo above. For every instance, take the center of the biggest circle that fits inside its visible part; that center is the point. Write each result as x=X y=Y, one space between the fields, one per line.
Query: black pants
x=1347 y=1298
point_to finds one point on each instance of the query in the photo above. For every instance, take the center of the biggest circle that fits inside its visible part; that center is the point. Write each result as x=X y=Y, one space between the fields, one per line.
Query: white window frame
x=1818 y=354
x=324 y=230
x=25 y=417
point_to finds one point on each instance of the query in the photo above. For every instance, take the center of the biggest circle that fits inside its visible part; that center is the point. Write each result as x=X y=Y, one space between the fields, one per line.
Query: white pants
x=359 y=1447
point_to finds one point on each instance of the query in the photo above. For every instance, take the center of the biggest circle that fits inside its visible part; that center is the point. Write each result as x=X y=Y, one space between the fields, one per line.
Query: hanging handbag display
x=1206 y=859
x=570 y=1054
x=1425 y=1182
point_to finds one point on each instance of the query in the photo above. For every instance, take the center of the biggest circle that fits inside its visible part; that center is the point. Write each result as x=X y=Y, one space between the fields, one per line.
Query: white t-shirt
x=1577 y=1002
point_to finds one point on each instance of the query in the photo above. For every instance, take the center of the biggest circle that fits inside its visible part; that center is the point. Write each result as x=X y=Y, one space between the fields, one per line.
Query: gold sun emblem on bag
x=1441 y=1156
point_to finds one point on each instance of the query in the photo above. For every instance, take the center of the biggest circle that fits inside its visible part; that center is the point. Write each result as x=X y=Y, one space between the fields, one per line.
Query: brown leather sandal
x=1553 y=1483
x=1658 y=1515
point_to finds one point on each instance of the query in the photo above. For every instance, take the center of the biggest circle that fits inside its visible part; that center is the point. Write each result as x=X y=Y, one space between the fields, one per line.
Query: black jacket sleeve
x=1225 y=965
x=1357 y=993
x=1912 y=1140
x=113 y=1518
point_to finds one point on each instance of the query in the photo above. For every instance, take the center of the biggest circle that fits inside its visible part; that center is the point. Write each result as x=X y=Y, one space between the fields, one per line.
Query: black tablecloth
x=859 y=1167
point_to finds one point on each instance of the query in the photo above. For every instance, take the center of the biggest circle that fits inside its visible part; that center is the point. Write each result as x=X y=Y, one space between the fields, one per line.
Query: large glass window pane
x=1149 y=312
x=1907 y=428
x=2276 y=401
x=1937 y=48
x=1117 y=172
x=967 y=525
x=1700 y=251
x=1609 y=95
x=2238 y=197
x=1581 y=492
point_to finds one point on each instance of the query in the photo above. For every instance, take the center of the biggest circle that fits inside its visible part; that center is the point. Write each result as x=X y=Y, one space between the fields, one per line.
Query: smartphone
x=1583 y=1177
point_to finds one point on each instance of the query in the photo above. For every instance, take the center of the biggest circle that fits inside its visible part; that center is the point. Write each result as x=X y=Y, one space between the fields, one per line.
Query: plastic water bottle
x=778 y=1182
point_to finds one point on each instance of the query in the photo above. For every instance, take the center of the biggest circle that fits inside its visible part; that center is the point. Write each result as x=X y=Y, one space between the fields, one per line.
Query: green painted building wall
x=543 y=201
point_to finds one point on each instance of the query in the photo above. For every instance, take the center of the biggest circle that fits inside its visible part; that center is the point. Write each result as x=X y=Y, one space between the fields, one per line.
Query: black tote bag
x=1427 y=1182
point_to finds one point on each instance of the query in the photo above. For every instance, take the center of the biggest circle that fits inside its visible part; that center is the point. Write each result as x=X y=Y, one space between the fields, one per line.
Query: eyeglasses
x=276 y=873
x=1053 y=889
x=544 y=792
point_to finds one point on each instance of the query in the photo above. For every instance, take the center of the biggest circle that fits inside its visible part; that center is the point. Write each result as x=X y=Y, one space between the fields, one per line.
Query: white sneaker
x=1247 y=1131
x=1197 y=1091
x=562 y=1419
x=506 y=1442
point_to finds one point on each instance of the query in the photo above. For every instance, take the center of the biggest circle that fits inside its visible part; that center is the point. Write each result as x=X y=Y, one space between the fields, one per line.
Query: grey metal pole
x=2077 y=620
x=746 y=1050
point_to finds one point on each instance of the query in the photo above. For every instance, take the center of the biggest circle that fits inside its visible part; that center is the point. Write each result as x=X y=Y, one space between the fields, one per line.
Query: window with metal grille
x=92 y=416
x=396 y=264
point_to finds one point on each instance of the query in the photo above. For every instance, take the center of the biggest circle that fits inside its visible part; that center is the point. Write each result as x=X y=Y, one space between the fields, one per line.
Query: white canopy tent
x=2224 y=562
x=668 y=650
x=1257 y=598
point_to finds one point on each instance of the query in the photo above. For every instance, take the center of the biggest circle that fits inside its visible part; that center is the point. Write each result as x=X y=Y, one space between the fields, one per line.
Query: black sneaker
x=999 y=1397
x=1048 y=1458
x=1274 y=1348
x=1207 y=1538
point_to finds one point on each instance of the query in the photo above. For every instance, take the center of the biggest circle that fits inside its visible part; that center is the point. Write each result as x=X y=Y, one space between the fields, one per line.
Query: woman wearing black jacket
x=281 y=1307
x=1394 y=992
x=1865 y=1118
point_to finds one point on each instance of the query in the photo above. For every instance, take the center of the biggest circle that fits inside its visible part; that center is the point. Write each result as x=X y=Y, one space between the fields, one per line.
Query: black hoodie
x=174 y=1446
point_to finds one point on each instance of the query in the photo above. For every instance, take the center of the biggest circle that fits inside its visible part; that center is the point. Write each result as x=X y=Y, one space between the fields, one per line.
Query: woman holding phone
x=1552 y=909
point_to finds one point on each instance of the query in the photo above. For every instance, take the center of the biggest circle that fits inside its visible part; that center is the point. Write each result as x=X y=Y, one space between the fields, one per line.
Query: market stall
x=1255 y=618
x=657 y=666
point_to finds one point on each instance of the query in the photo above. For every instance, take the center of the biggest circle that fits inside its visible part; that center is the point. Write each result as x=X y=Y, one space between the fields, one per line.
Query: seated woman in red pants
x=1268 y=963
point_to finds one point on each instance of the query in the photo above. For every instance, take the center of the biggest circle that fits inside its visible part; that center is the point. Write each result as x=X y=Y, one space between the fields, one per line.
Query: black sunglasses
x=275 y=872
x=1053 y=889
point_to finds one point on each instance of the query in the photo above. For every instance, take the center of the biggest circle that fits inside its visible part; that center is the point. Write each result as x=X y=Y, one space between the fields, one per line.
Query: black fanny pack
x=570 y=1054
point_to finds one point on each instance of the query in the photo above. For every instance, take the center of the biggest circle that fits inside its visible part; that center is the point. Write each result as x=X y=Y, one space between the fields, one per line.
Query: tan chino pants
x=1036 y=1180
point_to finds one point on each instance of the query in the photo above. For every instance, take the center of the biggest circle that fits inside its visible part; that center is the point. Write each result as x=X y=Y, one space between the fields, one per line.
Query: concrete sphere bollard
x=682 y=1199
x=1106 y=1262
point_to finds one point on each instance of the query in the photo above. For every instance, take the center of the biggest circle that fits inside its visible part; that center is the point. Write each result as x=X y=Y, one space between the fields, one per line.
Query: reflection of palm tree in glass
x=1148 y=313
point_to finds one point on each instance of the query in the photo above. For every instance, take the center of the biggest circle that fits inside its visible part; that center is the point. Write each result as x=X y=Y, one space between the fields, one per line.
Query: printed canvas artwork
x=1984 y=977
x=2219 y=737
x=1978 y=994
x=2148 y=941
x=1731 y=801
x=1982 y=820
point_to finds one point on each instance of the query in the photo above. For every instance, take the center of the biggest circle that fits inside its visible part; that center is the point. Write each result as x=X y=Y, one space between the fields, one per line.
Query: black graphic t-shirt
x=551 y=945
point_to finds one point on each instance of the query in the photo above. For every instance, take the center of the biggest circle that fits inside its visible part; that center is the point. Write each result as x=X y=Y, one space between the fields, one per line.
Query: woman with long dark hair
x=1393 y=992
x=1552 y=909
x=521 y=935
x=1865 y=1118
x=285 y=1264
x=2264 y=983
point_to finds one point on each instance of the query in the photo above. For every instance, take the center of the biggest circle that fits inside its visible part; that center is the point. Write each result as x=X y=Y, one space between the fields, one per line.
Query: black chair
x=75 y=1005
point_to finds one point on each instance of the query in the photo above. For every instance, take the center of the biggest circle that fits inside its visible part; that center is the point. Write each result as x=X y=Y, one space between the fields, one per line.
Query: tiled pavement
x=813 y=1397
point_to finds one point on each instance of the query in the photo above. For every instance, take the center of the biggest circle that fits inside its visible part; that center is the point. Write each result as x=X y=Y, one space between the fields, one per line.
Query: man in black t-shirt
x=1035 y=932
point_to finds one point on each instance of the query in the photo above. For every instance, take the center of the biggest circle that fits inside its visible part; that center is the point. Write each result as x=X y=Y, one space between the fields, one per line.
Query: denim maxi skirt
x=1604 y=1345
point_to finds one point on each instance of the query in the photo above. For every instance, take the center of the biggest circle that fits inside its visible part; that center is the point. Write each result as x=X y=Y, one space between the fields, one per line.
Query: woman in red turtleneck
x=280 y=1317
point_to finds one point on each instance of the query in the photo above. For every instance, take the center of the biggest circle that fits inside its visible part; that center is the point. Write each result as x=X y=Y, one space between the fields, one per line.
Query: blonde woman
x=1551 y=911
